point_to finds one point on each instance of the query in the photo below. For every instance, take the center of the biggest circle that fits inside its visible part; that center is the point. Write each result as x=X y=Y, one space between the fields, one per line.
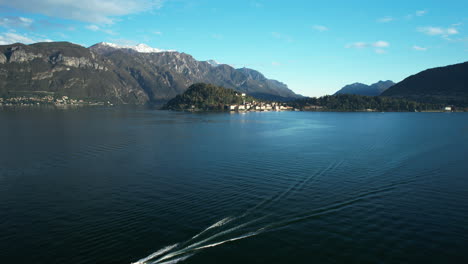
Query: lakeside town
x=48 y=100
x=258 y=106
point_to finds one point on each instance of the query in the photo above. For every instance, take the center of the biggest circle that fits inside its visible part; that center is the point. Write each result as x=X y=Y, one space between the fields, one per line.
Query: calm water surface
x=117 y=186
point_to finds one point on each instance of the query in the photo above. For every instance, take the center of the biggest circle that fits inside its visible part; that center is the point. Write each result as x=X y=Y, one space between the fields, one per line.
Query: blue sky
x=315 y=47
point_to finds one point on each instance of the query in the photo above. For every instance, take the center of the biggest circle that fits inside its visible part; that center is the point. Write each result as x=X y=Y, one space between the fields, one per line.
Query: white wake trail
x=192 y=246
x=228 y=240
x=174 y=260
x=217 y=224
x=168 y=248
x=251 y=234
x=297 y=185
x=155 y=254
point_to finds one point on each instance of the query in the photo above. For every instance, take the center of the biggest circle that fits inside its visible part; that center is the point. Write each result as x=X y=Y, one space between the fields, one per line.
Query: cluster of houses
x=45 y=100
x=25 y=100
x=258 y=106
x=67 y=101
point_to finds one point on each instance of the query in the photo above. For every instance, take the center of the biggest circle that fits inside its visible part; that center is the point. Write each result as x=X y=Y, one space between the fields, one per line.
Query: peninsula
x=209 y=97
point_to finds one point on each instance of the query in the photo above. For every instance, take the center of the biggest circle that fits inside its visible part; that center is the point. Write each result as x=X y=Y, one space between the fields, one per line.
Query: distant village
x=258 y=106
x=47 y=100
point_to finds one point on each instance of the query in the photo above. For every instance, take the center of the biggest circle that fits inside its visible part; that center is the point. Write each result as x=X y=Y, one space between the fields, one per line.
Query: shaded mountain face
x=364 y=89
x=134 y=75
x=449 y=83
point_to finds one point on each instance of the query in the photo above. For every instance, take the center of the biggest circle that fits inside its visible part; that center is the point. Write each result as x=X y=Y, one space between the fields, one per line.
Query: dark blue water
x=115 y=186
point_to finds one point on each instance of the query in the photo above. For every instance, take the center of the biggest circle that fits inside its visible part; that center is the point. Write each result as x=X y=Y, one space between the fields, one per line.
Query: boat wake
x=233 y=228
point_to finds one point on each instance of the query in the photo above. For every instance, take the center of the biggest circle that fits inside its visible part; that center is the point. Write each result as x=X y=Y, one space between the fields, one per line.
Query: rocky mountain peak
x=141 y=48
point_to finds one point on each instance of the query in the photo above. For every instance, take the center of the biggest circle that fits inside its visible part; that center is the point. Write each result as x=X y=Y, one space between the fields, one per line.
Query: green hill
x=447 y=85
x=202 y=96
x=352 y=102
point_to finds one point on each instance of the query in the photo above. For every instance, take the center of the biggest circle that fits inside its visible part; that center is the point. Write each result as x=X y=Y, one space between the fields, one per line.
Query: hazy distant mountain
x=364 y=89
x=121 y=74
x=449 y=83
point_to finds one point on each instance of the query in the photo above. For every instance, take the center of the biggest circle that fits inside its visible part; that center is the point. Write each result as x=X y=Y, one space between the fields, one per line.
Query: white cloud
x=93 y=27
x=14 y=22
x=378 y=45
x=421 y=12
x=419 y=48
x=11 y=37
x=381 y=44
x=320 y=28
x=417 y=13
x=380 y=51
x=159 y=33
x=385 y=19
x=357 y=45
x=97 y=28
x=94 y=11
x=282 y=36
x=438 y=31
x=275 y=63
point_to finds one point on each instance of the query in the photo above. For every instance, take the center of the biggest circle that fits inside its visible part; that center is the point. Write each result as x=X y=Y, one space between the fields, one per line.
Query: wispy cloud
x=419 y=48
x=15 y=22
x=385 y=19
x=284 y=37
x=421 y=12
x=357 y=45
x=320 y=28
x=92 y=27
x=93 y=11
x=418 y=13
x=438 y=31
x=379 y=46
x=380 y=51
x=256 y=4
x=97 y=28
x=217 y=36
x=275 y=63
x=12 y=37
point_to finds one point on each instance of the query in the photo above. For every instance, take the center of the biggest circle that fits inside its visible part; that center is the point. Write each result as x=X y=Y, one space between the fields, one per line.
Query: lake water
x=117 y=185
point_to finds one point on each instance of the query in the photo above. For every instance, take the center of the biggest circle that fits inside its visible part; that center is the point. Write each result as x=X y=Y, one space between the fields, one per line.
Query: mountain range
x=442 y=84
x=121 y=74
x=364 y=89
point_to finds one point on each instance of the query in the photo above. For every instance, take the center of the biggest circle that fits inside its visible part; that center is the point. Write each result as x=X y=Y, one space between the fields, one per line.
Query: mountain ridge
x=120 y=74
x=440 y=84
x=374 y=89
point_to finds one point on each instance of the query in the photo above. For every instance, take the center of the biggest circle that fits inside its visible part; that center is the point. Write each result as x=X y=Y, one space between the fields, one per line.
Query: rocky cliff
x=121 y=75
